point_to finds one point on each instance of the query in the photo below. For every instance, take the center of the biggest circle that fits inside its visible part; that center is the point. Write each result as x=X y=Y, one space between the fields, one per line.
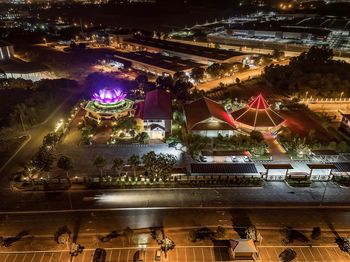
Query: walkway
x=277 y=152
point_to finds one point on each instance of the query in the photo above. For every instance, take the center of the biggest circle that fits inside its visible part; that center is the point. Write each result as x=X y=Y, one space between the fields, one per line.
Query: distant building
x=6 y=51
x=155 y=63
x=155 y=112
x=206 y=117
x=200 y=54
x=14 y=67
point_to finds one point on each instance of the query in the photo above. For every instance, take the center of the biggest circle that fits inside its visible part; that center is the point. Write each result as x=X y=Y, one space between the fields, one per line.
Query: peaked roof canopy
x=258 y=114
x=204 y=109
x=258 y=102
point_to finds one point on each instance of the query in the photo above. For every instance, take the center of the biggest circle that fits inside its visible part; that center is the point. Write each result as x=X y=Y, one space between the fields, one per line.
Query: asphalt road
x=275 y=194
x=231 y=79
x=37 y=134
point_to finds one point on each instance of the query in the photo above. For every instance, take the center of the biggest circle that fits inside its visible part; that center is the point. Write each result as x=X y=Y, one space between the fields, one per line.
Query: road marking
x=42 y=257
x=177 y=255
x=25 y=255
x=51 y=257
x=14 y=259
x=274 y=249
x=220 y=254
x=127 y=259
x=336 y=251
x=59 y=259
x=110 y=256
x=212 y=254
x=33 y=257
x=320 y=254
x=329 y=254
x=194 y=255
x=310 y=251
x=6 y=257
x=268 y=254
x=203 y=254
x=119 y=255
x=303 y=254
x=185 y=254
x=316 y=206
x=82 y=259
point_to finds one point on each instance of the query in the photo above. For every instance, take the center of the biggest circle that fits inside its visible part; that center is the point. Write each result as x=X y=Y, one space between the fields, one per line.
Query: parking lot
x=309 y=254
x=181 y=254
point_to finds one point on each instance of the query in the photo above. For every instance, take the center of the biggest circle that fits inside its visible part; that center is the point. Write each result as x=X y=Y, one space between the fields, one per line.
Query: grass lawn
x=342 y=180
x=298 y=182
x=9 y=147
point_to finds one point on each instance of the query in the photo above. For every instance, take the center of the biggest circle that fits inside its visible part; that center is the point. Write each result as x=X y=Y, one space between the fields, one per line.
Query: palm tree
x=2 y=74
x=118 y=164
x=100 y=162
x=30 y=171
x=65 y=163
x=134 y=161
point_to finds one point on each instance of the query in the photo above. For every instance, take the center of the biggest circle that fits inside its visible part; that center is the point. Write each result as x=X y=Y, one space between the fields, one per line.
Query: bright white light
x=59 y=125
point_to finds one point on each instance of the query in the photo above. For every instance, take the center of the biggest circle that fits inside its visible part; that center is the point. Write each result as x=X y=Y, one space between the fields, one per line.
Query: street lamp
x=341 y=94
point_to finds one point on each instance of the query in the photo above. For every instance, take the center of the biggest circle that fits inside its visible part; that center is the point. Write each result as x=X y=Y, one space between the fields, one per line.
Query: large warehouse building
x=6 y=51
x=17 y=68
x=200 y=54
x=155 y=63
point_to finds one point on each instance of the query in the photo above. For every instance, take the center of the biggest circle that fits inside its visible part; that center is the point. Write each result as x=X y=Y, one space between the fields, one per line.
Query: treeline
x=24 y=103
x=313 y=73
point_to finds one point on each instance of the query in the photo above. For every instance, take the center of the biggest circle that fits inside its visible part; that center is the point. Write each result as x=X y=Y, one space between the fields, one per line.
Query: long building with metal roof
x=193 y=52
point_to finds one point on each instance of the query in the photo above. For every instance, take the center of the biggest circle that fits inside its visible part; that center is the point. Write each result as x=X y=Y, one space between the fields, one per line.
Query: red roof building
x=258 y=115
x=156 y=113
x=208 y=118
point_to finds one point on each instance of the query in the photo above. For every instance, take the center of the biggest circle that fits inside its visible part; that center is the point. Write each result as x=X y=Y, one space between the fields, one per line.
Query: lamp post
x=341 y=94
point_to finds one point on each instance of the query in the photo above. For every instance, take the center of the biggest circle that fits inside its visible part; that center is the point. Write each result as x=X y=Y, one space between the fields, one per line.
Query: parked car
x=287 y=255
x=158 y=255
x=140 y=256
x=99 y=255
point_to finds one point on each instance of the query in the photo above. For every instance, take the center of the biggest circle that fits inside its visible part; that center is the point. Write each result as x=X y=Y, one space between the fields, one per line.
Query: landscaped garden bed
x=342 y=180
x=298 y=181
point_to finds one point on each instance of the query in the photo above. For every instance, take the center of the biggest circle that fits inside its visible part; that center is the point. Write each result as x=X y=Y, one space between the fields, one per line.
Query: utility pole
x=21 y=116
x=324 y=192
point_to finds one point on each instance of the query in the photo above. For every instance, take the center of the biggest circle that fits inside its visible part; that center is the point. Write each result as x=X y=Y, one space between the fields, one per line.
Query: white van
x=158 y=255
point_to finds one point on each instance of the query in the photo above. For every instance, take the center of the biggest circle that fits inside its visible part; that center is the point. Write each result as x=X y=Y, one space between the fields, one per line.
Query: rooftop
x=157 y=106
x=207 y=109
x=240 y=168
x=341 y=167
x=282 y=26
x=200 y=51
x=258 y=114
x=175 y=64
x=277 y=166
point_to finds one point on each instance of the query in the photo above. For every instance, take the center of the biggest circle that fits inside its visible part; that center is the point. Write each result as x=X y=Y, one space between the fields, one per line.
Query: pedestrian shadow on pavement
x=7 y=242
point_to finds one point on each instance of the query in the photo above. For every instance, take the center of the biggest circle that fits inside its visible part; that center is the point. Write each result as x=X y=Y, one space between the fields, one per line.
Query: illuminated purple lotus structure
x=109 y=96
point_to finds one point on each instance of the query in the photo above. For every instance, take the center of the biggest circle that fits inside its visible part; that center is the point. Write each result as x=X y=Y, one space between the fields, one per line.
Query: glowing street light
x=59 y=124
